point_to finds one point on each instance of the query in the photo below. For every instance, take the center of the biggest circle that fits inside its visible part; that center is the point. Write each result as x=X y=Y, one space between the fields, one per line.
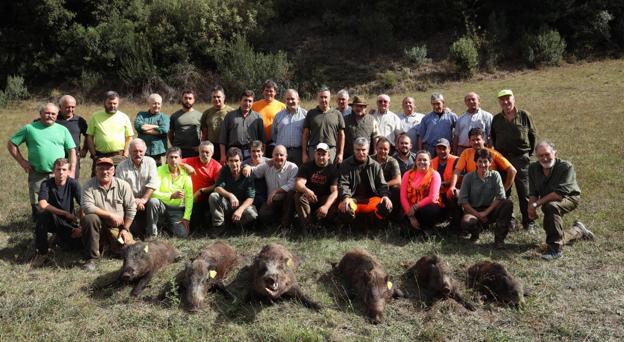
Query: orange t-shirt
x=267 y=111
x=466 y=161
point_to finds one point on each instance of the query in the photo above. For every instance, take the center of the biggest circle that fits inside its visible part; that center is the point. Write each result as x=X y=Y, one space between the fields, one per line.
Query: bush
x=15 y=90
x=465 y=56
x=545 y=48
x=243 y=68
x=417 y=55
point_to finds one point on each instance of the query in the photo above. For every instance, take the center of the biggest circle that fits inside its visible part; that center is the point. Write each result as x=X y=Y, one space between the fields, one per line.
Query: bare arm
x=340 y=146
x=304 y=144
x=91 y=145
x=126 y=146
x=509 y=177
x=395 y=181
x=17 y=155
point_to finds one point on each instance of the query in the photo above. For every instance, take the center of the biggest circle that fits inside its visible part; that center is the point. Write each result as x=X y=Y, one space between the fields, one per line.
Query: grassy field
x=578 y=297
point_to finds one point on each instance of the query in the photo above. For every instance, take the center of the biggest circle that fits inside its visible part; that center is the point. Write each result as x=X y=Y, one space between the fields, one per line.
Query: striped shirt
x=288 y=128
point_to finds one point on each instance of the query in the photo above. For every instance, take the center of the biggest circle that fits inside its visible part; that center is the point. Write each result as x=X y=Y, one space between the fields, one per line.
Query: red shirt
x=205 y=175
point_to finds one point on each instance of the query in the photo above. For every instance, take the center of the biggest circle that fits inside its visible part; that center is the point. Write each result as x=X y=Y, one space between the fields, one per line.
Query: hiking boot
x=529 y=227
x=587 y=234
x=89 y=265
x=552 y=254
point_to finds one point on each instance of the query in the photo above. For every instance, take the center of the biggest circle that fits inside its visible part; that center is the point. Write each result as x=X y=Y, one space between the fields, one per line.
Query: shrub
x=545 y=48
x=243 y=68
x=417 y=55
x=388 y=79
x=15 y=90
x=464 y=55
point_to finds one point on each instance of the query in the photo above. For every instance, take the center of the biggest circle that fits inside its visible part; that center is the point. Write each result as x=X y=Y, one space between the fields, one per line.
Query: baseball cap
x=504 y=92
x=322 y=146
x=443 y=142
x=104 y=160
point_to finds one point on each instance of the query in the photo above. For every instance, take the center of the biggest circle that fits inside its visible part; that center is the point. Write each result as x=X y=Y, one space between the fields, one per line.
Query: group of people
x=327 y=165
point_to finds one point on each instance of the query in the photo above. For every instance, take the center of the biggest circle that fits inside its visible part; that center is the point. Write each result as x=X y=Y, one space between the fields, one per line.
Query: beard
x=548 y=165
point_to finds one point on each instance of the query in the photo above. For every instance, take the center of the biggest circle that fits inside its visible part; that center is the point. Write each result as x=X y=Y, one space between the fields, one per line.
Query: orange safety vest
x=448 y=170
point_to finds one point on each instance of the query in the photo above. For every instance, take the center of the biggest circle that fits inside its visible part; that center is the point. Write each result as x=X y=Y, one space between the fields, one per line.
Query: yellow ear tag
x=289 y=263
x=146 y=249
x=389 y=285
x=212 y=274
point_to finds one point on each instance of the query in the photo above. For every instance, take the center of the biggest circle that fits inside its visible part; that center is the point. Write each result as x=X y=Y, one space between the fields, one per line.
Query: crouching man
x=57 y=215
x=482 y=196
x=361 y=185
x=234 y=194
x=175 y=197
x=553 y=187
x=109 y=208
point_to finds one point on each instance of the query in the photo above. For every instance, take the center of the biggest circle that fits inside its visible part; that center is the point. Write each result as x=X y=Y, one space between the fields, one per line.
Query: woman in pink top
x=420 y=195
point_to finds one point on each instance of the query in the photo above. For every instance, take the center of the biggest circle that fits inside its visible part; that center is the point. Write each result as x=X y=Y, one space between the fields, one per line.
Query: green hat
x=358 y=101
x=505 y=92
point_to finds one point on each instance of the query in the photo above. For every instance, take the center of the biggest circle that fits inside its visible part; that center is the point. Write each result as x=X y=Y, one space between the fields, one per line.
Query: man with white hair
x=342 y=102
x=76 y=125
x=287 y=129
x=389 y=123
x=553 y=187
x=152 y=126
x=109 y=132
x=439 y=123
x=46 y=142
x=139 y=170
x=473 y=117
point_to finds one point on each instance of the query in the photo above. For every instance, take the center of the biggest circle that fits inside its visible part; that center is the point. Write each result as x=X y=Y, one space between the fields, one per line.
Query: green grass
x=578 y=297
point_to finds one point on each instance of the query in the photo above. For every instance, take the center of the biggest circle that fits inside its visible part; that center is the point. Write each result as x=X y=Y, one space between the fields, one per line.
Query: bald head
x=67 y=106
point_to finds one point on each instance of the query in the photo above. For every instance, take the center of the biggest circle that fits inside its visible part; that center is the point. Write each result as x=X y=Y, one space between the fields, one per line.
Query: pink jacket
x=434 y=189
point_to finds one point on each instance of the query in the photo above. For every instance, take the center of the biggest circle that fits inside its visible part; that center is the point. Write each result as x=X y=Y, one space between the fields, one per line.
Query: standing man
x=212 y=119
x=268 y=108
x=152 y=127
x=109 y=208
x=404 y=154
x=473 y=117
x=553 y=187
x=56 y=200
x=513 y=135
x=140 y=172
x=389 y=123
x=205 y=173
x=323 y=124
x=175 y=197
x=234 y=194
x=342 y=103
x=76 y=125
x=435 y=125
x=287 y=127
x=46 y=142
x=317 y=189
x=185 y=126
x=359 y=124
x=109 y=132
x=410 y=120
x=240 y=127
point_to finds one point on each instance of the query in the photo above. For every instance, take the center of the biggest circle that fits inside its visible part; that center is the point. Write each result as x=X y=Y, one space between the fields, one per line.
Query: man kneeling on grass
x=109 y=208
x=553 y=187
x=482 y=196
x=361 y=185
x=56 y=201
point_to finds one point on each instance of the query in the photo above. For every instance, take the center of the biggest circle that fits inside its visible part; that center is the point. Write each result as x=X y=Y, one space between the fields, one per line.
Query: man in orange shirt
x=467 y=163
x=268 y=107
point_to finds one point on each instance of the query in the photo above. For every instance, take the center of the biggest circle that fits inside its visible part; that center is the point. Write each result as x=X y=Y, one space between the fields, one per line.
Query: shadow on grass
x=105 y=285
x=239 y=311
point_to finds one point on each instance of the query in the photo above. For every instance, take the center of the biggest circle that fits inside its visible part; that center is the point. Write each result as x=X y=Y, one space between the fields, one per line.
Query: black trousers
x=50 y=223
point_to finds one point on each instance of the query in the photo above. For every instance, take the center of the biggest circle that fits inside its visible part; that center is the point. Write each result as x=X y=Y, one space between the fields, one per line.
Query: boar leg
x=141 y=284
x=220 y=287
x=458 y=298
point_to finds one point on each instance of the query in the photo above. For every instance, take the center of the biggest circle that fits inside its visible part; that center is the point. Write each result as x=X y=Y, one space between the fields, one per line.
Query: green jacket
x=168 y=186
x=349 y=179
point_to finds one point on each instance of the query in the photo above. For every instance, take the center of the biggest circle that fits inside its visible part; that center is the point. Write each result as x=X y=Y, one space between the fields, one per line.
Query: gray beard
x=548 y=165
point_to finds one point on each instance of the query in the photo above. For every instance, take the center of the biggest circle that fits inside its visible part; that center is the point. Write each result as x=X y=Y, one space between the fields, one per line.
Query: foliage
x=242 y=67
x=465 y=56
x=545 y=48
x=14 y=91
x=417 y=55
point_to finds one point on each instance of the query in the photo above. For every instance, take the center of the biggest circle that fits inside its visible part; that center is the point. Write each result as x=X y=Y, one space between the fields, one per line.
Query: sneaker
x=587 y=234
x=89 y=265
x=552 y=254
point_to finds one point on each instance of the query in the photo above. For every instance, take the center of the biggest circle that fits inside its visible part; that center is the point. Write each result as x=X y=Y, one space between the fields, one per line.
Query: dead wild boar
x=206 y=272
x=143 y=259
x=273 y=272
x=367 y=279
x=435 y=281
x=494 y=283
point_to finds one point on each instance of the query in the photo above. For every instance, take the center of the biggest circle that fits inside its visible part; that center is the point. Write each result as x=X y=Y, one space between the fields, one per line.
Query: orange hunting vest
x=448 y=170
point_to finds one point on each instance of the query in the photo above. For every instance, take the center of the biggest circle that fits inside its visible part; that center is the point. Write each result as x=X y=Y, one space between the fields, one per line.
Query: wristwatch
x=534 y=204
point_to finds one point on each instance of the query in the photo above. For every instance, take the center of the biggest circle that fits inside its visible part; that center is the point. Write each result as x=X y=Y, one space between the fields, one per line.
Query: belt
x=108 y=154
